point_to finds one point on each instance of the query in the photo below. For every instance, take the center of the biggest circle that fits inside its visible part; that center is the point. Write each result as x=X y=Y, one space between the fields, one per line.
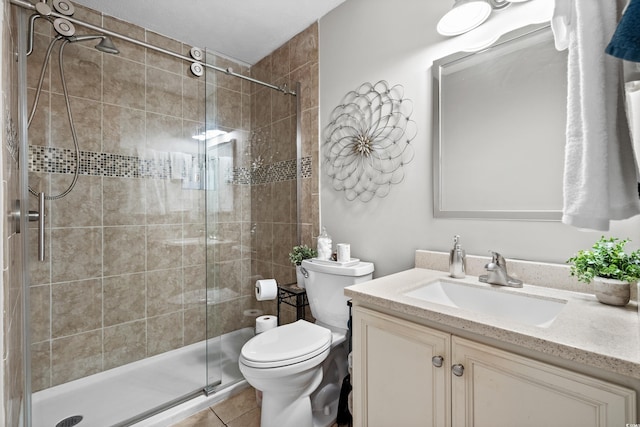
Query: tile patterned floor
x=240 y=410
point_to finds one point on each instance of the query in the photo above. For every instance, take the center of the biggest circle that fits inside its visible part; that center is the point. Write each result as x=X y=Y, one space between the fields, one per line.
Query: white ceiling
x=246 y=30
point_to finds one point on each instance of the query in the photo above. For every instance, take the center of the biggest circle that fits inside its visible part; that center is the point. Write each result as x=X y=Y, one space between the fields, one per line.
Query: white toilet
x=299 y=367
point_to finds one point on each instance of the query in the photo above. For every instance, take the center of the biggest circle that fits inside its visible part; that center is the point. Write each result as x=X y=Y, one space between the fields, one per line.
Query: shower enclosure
x=166 y=195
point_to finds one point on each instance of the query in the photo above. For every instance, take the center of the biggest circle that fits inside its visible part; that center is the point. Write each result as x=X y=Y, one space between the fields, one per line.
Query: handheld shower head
x=106 y=44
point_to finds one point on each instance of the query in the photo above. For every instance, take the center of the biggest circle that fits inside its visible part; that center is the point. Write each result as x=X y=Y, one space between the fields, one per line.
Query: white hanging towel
x=600 y=178
x=633 y=114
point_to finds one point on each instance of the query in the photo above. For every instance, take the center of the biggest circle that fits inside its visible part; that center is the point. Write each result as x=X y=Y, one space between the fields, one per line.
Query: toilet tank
x=325 y=289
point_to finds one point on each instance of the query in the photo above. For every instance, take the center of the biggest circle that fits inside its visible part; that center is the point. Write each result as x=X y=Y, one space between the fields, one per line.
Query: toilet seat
x=286 y=345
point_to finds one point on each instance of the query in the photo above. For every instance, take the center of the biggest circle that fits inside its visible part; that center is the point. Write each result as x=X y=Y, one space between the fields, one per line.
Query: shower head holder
x=105 y=45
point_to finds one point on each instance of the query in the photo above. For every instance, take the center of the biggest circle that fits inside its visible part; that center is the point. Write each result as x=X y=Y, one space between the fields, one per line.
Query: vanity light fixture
x=465 y=15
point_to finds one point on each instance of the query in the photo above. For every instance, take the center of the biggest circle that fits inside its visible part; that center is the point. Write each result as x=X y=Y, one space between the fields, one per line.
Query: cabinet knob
x=457 y=370
x=437 y=361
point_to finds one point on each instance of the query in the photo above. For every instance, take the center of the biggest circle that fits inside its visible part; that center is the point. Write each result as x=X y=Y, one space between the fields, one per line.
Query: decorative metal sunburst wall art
x=367 y=142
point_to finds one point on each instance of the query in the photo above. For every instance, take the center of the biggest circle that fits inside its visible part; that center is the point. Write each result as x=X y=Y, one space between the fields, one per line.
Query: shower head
x=106 y=44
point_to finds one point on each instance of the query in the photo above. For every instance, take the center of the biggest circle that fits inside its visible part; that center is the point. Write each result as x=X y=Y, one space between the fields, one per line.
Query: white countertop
x=586 y=331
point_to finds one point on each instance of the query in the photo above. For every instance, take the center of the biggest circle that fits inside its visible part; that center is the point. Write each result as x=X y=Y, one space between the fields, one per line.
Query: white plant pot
x=611 y=291
x=299 y=276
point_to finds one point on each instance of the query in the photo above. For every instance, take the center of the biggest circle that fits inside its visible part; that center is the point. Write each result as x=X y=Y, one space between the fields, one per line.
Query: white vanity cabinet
x=397 y=382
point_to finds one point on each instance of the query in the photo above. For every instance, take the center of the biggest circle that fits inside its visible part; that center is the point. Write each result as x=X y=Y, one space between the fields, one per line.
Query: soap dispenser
x=457 y=260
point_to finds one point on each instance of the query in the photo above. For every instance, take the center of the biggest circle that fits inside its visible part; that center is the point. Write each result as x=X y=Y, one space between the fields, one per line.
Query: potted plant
x=296 y=256
x=610 y=268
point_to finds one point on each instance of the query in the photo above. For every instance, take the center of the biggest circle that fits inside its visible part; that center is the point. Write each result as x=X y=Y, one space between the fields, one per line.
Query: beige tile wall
x=295 y=61
x=13 y=296
x=115 y=286
x=115 y=283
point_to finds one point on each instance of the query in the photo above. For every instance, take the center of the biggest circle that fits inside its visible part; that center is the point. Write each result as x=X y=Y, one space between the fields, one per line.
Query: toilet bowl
x=285 y=363
x=324 y=400
x=299 y=367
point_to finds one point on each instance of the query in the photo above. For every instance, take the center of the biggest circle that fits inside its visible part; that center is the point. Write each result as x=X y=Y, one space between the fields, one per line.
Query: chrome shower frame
x=23 y=169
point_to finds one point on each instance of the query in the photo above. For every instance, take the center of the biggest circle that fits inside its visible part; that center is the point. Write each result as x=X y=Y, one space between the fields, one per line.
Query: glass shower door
x=228 y=216
x=117 y=307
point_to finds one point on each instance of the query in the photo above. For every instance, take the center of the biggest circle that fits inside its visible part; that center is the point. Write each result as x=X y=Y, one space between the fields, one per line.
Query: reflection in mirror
x=499 y=129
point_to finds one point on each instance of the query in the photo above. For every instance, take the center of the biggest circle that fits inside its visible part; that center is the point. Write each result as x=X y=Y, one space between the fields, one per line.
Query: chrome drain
x=70 y=421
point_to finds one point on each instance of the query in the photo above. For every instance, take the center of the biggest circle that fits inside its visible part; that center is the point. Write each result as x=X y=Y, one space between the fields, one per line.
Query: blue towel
x=625 y=43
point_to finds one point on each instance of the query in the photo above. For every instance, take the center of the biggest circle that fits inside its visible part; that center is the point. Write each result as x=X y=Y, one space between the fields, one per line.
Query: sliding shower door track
x=26 y=5
x=155 y=411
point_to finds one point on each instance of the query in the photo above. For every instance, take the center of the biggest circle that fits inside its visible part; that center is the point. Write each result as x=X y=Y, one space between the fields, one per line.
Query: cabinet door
x=396 y=382
x=498 y=388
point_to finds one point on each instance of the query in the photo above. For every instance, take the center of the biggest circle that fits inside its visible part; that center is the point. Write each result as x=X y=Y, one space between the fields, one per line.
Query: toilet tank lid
x=360 y=269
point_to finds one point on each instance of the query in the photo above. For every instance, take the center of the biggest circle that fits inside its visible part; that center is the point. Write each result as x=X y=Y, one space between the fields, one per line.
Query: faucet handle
x=498 y=259
x=498 y=275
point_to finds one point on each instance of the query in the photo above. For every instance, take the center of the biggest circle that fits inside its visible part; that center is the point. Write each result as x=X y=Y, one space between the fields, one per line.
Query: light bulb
x=463 y=17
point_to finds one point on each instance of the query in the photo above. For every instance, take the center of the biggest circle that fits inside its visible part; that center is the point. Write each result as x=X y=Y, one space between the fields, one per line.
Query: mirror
x=499 y=129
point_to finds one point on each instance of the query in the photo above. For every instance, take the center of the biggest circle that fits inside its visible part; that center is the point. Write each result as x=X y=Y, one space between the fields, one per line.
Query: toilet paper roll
x=266 y=289
x=344 y=252
x=264 y=323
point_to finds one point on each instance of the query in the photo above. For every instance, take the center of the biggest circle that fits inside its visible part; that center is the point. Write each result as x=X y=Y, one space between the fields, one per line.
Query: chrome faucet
x=498 y=275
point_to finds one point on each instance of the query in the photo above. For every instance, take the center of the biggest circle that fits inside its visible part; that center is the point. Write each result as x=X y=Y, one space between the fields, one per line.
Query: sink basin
x=528 y=309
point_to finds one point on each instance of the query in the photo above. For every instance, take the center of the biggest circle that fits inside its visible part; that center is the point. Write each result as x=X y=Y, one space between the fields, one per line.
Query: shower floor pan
x=112 y=397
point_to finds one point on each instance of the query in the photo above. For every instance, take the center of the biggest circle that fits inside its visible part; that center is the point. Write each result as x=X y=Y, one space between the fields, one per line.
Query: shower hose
x=69 y=115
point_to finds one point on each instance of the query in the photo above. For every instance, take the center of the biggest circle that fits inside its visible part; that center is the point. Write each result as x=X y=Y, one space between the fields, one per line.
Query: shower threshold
x=121 y=395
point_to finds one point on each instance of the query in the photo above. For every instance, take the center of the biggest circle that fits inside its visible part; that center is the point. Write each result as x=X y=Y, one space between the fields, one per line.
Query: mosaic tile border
x=276 y=172
x=306 y=170
x=63 y=160
x=168 y=166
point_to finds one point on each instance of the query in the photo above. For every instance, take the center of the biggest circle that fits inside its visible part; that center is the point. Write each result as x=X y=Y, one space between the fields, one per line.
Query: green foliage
x=606 y=259
x=301 y=252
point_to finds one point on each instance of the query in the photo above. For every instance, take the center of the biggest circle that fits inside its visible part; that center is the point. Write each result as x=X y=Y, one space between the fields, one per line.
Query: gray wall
x=367 y=41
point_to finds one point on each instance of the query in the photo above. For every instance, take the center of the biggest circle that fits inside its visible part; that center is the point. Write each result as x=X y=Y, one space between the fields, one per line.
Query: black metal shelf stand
x=293 y=296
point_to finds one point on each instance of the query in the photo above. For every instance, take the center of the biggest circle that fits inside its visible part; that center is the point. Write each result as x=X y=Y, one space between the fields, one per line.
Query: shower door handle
x=39 y=216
